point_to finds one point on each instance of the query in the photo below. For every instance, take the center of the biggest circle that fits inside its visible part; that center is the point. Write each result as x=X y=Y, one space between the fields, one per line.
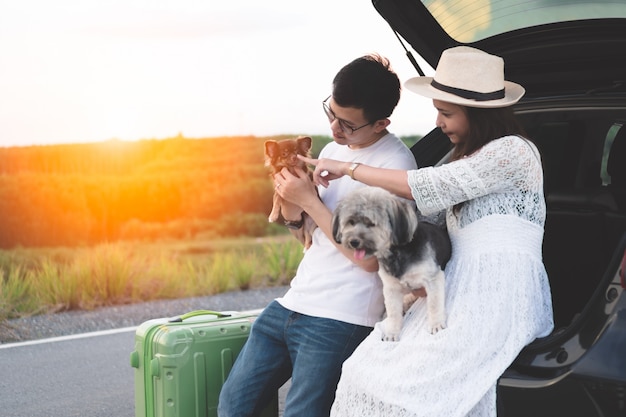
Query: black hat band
x=470 y=95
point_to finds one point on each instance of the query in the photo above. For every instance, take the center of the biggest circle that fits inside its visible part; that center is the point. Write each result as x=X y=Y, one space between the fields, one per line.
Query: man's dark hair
x=368 y=83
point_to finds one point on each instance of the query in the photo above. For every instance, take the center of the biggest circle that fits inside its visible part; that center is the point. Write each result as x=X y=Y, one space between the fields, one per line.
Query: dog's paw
x=391 y=337
x=436 y=327
x=390 y=330
x=274 y=214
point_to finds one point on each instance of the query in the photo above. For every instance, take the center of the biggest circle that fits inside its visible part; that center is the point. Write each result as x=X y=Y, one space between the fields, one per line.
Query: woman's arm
x=392 y=180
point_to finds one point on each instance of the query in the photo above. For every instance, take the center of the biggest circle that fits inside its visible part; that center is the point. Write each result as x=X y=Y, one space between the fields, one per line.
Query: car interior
x=584 y=155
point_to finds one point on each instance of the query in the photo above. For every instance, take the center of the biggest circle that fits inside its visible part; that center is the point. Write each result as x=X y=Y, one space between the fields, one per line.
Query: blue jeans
x=282 y=345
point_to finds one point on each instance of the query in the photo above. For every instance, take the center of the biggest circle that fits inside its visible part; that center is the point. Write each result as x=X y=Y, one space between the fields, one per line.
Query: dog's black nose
x=354 y=243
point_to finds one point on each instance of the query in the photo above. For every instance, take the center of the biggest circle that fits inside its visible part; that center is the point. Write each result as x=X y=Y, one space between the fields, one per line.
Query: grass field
x=34 y=281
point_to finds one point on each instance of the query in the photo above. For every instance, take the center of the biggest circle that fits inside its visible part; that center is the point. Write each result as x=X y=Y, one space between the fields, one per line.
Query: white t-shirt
x=327 y=284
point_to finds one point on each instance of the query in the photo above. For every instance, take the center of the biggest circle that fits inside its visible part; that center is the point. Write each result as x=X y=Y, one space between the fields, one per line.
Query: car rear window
x=472 y=20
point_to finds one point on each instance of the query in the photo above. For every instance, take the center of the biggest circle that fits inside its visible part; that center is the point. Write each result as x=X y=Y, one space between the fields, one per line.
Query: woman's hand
x=326 y=170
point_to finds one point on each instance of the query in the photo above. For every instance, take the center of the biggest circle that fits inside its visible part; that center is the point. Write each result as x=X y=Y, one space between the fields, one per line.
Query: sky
x=74 y=71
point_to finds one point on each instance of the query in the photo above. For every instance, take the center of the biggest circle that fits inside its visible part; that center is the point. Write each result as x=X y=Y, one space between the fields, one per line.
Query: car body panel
x=546 y=59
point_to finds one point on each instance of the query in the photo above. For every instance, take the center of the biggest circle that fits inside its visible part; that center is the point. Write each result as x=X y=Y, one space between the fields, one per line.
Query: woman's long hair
x=485 y=125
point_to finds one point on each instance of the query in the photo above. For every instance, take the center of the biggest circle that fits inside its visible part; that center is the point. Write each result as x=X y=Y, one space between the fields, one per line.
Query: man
x=334 y=300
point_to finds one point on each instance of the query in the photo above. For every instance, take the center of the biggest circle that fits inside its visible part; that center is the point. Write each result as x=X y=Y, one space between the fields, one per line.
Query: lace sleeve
x=506 y=164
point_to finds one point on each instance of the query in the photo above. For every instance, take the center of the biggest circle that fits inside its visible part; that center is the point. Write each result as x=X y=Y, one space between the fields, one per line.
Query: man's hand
x=297 y=189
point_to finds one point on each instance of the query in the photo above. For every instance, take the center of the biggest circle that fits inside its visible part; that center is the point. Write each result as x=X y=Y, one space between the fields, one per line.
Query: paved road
x=89 y=374
x=84 y=377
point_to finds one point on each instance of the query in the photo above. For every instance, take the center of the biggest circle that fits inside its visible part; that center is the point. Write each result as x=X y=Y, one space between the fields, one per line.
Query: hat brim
x=421 y=85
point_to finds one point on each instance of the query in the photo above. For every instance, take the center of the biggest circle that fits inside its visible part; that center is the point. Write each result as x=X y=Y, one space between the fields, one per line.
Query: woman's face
x=453 y=121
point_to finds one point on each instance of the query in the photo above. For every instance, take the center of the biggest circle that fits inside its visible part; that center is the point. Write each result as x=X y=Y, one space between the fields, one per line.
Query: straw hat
x=469 y=77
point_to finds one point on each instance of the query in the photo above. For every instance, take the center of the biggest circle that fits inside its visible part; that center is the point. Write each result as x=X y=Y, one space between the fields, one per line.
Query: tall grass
x=282 y=261
x=36 y=281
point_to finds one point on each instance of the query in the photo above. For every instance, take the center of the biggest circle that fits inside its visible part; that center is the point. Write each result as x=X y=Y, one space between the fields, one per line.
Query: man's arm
x=293 y=213
x=301 y=189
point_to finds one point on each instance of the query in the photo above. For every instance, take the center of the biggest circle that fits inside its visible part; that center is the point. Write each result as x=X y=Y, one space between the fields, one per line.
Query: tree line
x=67 y=195
x=82 y=194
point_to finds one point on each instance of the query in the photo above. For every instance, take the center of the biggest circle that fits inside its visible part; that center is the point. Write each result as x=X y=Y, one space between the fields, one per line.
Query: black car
x=570 y=55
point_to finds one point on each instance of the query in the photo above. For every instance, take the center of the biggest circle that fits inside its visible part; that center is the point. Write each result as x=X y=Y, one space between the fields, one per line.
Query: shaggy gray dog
x=411 y=254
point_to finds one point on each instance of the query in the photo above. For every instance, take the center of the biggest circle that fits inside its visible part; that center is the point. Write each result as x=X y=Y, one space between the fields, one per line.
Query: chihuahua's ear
x=271 y=148
x=304 y=144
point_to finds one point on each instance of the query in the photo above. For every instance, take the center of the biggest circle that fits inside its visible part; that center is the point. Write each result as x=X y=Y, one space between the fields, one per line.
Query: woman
x=497 y=293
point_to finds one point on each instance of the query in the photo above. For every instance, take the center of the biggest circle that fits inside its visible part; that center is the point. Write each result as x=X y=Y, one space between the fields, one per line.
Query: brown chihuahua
x=283 y=154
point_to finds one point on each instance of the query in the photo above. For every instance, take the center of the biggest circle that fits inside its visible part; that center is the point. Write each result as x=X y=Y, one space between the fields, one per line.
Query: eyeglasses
x=343 y=124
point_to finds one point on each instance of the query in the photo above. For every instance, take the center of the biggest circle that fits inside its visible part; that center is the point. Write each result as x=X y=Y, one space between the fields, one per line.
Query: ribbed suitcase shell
x=181 y=364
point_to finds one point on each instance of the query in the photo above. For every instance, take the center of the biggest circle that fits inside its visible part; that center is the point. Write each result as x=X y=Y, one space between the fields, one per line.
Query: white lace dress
x=497 y=294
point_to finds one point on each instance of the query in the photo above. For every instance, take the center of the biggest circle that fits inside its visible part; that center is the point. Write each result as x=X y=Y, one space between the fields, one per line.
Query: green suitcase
x=181 y=363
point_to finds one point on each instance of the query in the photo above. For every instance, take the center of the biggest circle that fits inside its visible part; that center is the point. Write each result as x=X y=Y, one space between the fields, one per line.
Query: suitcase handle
x=197 y=313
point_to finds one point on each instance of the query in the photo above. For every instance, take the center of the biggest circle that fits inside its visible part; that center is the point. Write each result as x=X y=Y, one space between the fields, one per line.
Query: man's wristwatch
x=294 y=224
